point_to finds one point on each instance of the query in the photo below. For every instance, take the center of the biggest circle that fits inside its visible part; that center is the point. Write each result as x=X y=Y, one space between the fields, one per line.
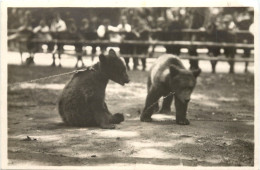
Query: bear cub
x=169 y=75
x=82 y=102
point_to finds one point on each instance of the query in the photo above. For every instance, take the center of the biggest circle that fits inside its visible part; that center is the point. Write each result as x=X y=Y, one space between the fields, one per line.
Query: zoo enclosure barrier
x=172 y=40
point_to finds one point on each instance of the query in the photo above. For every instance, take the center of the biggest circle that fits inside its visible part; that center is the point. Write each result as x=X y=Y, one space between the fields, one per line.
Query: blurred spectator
x=21 y=16
x=175 y=25
x=195 y=20
x=57 y=27
x=211 y=26
x=25 y=30
x=126 y=35
x=42 y=31
x=66 y=17
x=227 y=23
x=104 y=29
x=130 y=48
x=71 y=26
x=124 y=26
x=13 y=18
x=84 y=31
x=130 y=13
x=85 y=27
x=74 y=34
x=93 y=24
x=243 y=21
x=13 y=24
x=228 y=26
x=141 y=31
x=92 y=34
x=159 y=31
x=72 y=31
x=175 y=22
x=151 y=22
x=161 y=24
x=25 y=34
x=103 y=32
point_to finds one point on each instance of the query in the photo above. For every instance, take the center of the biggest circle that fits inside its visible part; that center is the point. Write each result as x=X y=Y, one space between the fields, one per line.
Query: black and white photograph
x=129 y=86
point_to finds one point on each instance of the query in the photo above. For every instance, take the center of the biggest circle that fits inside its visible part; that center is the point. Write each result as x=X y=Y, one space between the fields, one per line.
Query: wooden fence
x=245 y=42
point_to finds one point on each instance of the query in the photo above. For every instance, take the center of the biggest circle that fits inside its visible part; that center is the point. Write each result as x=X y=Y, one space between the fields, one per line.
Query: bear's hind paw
x=166 y=111
x=183 y=122
x=108 y=126
x=146 y=119
x=117 y=118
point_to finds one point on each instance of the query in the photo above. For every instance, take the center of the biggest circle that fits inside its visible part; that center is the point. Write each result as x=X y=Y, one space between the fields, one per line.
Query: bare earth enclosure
x=221 y=132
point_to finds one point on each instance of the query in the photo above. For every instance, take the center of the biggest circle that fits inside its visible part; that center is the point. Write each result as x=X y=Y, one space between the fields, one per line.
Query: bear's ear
x=196 y=72
x=112 y=53
x=174 y=70
x=102 y=58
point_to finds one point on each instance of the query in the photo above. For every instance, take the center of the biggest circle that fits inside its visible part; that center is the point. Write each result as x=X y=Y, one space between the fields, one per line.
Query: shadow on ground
x=221 y=132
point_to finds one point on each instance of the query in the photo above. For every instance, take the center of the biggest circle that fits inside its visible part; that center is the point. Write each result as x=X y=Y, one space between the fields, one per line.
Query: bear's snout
x=187 y=100
x=127 y=80
x=123 y=82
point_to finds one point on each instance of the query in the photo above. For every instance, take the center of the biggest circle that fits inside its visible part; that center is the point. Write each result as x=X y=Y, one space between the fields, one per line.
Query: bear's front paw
x=108 y=126
x=167 y=111
x=183 y=122
x=156 y=108
x=117 y=118
x=146 y=119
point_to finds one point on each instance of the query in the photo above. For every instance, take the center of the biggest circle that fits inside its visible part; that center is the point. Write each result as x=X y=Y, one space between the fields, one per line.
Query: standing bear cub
x=169 y=77
x=82 y=102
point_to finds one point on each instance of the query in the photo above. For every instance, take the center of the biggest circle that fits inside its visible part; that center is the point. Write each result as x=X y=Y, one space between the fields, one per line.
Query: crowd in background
x=138 y=21
x=154 y=18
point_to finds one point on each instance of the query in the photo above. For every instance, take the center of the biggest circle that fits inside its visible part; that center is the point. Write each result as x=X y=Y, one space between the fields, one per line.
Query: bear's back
x=160 y=69
x=74 y=102
x=86 y=82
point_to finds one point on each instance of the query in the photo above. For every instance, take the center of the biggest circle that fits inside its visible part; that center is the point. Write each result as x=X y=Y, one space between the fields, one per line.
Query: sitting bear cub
x=82 y=102
x=169 y=75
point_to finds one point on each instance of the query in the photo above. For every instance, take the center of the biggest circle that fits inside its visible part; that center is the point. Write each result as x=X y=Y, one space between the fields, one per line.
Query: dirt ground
x=221 y=132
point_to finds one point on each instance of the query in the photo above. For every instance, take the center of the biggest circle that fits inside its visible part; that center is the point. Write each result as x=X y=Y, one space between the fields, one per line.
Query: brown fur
x=82 y=102
x=169 y=75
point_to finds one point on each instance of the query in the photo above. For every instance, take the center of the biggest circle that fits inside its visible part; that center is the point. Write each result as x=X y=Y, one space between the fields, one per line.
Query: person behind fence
x=211 y=25
x=42 y=32
x=25 y=29
x=92 y=34
x=195 y=20
x=228 y=26
x=175 y=25
x=57 y=26
x=243 y=22
x=73 y=33
x=83 y=29
x=103 y=32
x=13 y=23
x=141 y=31
x=13 y=18
x=123 y=25
x=159 y=27
x=161 y=24
x=23 y=36
x=137 y=28
x=125 y=30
